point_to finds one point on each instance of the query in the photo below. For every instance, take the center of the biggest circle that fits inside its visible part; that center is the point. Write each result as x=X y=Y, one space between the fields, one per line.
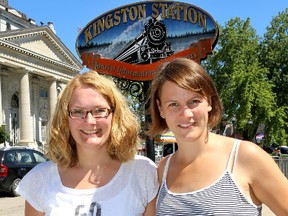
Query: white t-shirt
x=127 y=194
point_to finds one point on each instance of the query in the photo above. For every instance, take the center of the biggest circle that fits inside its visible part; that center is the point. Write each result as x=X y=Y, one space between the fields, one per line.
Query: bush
x=4 y=136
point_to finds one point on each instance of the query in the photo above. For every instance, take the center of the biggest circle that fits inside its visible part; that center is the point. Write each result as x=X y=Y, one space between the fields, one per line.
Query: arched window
x=15 y=101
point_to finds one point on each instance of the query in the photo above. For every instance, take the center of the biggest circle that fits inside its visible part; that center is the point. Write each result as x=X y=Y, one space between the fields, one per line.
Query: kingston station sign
x=131 y=41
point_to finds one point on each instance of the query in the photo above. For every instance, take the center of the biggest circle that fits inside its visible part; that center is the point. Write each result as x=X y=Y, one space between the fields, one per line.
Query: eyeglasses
x=96 y=113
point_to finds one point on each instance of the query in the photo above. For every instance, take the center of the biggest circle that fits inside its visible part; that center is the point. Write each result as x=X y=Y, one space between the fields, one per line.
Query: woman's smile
x=90 y=132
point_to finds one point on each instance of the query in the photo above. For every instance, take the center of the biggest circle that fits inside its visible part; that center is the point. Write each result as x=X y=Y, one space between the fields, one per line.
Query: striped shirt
x=223 y=197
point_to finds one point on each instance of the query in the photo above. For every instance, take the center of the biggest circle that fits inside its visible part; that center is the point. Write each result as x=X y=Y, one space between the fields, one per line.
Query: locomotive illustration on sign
x=131 y=41
x=148 y=47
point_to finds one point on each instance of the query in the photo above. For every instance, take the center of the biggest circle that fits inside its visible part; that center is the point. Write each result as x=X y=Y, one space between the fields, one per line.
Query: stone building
x=34 y=67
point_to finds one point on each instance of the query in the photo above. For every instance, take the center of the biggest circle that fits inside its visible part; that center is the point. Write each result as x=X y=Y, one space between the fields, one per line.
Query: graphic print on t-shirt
x=94 y=210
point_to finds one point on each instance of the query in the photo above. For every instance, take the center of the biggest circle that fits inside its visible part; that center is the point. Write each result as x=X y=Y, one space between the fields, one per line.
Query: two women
x=93 y=168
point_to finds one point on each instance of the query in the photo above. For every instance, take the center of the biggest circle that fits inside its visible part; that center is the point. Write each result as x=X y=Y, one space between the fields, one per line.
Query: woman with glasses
x=209 y=174
x=93 y=167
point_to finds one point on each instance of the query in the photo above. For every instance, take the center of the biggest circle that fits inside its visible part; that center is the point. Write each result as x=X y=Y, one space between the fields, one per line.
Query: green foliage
x=4 y=136
x=274 y=49
x=243 y=81
x=273 y=55
x=277 y=127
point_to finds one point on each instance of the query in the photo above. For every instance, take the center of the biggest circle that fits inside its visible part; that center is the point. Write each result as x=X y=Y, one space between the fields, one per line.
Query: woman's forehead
x=172 y=90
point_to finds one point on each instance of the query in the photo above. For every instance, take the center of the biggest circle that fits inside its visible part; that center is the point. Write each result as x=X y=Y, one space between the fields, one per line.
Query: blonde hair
x=123 y=141
x=186 y=74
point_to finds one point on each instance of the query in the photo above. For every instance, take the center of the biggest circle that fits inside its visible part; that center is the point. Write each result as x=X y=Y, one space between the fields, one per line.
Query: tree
x=241 y=81
x=273 y=55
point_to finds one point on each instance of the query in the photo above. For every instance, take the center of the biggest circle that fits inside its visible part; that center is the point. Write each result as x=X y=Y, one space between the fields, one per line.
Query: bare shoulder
x=222 y=142
x=255 y=160
x=250 y=152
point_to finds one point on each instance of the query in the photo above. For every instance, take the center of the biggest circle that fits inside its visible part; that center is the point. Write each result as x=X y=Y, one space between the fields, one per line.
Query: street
x=14 y=206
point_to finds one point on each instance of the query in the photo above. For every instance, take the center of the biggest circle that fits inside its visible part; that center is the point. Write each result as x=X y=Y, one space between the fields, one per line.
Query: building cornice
x=40 y=31
x=19 y=49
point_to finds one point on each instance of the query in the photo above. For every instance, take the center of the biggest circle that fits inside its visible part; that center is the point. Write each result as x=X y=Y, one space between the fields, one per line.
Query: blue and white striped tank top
x=221 y=198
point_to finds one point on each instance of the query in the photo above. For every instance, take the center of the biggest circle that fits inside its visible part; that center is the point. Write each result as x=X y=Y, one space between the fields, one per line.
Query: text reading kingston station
x=172 y=11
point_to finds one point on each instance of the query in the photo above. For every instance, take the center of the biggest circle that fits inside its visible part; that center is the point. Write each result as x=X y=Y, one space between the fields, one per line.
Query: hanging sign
x=131 y=41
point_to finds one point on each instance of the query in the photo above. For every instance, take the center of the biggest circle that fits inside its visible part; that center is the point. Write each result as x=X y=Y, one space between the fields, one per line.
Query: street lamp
x=233 y=119
x=250 y=122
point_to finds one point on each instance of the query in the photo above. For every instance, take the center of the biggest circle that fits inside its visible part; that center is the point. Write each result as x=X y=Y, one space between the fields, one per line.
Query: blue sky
x=69 y=15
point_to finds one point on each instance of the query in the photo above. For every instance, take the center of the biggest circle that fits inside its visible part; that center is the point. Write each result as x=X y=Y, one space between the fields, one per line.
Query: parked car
x=169 y=148
x=15 y=162
x=271 y=150
x=283 y=149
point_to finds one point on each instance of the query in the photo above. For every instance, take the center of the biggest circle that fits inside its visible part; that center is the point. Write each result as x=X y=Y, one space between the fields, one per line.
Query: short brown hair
x=189 y=75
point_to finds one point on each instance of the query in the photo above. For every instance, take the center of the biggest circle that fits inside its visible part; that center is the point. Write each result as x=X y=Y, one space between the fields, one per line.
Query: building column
x=1 y=107
x=26 y=126
x=35 y=88
x=52 y=97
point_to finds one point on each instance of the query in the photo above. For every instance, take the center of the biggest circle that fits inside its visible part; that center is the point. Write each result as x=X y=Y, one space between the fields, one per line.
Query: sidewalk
x=267 y=212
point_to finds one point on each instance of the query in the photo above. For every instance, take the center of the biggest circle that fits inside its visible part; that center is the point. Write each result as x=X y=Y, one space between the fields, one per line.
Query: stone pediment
x=40 y=47
x=42 y=43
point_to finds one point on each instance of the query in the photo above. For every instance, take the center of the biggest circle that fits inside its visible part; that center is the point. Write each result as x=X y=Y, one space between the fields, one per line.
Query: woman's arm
x=30 y=211
x=268 y=183
x=151 y=208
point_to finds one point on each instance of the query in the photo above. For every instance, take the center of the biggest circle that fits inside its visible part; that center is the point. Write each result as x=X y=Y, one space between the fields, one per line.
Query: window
x=14 y=101
x=8 y=26
x=43 y=93
x=25 y=157
x=10 y=157
x=39 y=158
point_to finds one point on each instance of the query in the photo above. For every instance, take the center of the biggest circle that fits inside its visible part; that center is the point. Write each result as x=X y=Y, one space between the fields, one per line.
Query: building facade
x=34 y=67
